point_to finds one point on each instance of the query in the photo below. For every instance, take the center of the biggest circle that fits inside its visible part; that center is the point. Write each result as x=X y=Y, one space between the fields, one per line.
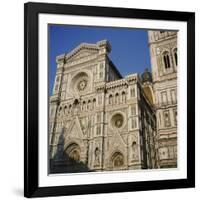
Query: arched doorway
x=117 y=160
x=73 y=152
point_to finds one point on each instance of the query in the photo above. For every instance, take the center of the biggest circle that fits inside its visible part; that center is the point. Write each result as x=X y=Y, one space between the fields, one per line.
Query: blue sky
x=130 y=52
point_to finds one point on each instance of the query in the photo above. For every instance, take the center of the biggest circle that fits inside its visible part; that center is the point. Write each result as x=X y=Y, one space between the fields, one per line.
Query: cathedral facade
x=101 y=121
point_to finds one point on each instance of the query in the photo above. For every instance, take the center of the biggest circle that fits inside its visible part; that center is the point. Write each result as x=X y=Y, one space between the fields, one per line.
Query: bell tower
x=164 y=63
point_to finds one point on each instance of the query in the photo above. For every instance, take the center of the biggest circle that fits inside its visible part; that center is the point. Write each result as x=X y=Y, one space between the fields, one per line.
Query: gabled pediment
x=75 y=130
x=82 y=51
x=117 y=141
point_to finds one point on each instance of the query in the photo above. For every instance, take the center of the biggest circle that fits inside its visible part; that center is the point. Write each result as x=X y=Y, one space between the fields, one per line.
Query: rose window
x=82 y=85
x=117 y=121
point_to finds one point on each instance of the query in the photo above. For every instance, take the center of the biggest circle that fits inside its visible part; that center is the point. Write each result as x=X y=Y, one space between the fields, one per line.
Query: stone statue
x=134 y=151
x=97 y=156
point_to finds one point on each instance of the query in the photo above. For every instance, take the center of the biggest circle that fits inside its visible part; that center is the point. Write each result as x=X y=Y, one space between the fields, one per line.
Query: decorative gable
x=82 y=54
x=117 y=142
x=82 y=51
x=74 y=130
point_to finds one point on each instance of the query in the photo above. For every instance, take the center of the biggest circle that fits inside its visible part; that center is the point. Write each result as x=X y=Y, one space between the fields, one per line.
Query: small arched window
x=70 y=108
x=134 y=145
x=84 y=105
x=123 y=97
x=60 y=110
x=94 y=103
x=110 y=99
x=97 y=156
x=89 y=104
x=65 y=109
x=166 y=60
x=116 y=98
x=175 y=57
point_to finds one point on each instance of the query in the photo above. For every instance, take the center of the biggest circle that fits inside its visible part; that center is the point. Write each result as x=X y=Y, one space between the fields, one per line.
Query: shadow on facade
x=63 y=163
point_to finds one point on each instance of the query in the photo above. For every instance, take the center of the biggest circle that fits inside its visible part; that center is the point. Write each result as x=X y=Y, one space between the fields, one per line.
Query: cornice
x=117 y=83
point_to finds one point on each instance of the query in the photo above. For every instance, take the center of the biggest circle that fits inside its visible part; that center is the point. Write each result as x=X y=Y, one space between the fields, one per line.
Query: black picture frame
x=31 y=80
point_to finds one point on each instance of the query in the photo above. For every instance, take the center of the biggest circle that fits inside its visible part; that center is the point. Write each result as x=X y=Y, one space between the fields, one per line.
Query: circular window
x=82 y=84
x=80 y=81
x=117 y=120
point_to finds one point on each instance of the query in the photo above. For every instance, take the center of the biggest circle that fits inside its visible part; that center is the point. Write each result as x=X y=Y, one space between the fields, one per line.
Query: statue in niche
x=167 y=119
x=83 y=125
x=118 y=162
x=118 y=123
x=97 y=157
x=134 y=151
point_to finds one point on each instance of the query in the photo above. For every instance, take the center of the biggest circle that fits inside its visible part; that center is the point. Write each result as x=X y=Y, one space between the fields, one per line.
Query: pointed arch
x=117 y=98
x=117 y=160
x=73 y=152
x=166 y=59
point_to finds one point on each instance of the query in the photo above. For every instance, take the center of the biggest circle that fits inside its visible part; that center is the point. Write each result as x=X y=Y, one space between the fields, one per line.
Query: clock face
x=82 y=84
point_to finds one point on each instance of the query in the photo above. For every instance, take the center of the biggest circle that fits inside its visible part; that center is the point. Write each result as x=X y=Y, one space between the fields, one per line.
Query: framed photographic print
x=109 y=99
